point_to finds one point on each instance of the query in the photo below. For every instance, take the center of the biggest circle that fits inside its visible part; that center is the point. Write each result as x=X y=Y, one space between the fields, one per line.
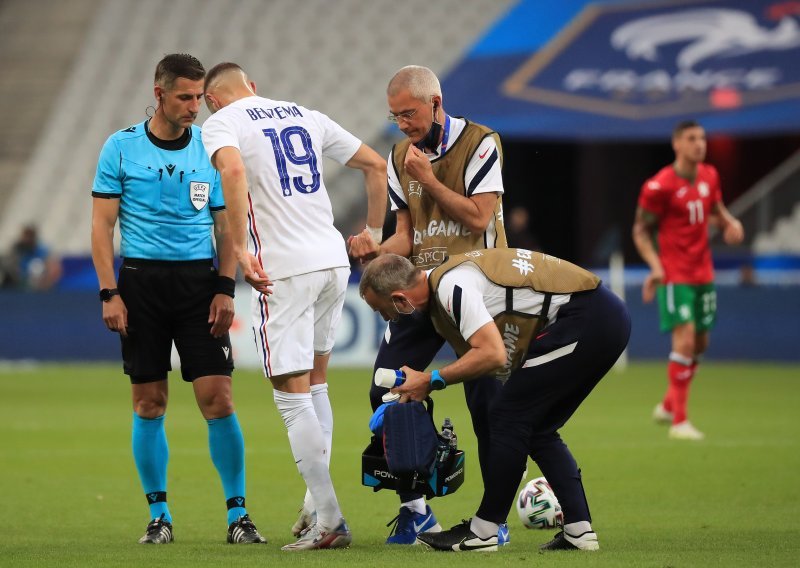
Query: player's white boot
x=305 y=520
x=317 y=537
x=685 y=431
x=661 y=415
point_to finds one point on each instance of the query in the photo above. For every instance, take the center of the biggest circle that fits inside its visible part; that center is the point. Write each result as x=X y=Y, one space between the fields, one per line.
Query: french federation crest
x=645 y=60
x=198 y=192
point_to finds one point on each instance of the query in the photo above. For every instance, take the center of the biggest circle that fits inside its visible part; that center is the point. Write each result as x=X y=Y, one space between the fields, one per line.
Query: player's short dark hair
x=218 y=70
x=177 y=65
x=684 y=125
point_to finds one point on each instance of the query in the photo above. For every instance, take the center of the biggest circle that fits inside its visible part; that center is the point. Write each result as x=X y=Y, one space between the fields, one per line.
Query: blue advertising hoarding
x=68 y=326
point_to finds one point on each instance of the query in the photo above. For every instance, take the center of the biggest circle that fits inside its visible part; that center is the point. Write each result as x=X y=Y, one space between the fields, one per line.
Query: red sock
x=667 y=402
x=680 y=377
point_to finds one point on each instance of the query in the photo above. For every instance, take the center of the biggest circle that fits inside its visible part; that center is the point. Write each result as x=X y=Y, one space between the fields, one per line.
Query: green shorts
x=683 y=303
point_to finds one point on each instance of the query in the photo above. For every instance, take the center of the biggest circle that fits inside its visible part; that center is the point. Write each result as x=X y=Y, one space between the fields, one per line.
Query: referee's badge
x=198 y=192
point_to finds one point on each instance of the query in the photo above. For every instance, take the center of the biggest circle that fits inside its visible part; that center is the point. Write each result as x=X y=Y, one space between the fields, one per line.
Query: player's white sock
x=308 y=448
x=483 y=529
x=322 y=406
x=417 y=505
x=678 y=358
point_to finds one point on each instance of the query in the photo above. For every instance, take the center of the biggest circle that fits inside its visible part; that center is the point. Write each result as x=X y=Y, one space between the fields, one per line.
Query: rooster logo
x=710 y=33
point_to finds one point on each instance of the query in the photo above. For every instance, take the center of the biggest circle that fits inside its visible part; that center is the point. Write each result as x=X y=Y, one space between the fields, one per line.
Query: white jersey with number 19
x=290 y=221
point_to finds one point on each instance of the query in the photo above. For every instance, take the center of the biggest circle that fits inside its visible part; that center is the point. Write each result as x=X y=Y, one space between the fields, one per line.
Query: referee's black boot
x=243 y=531
x=158 y=531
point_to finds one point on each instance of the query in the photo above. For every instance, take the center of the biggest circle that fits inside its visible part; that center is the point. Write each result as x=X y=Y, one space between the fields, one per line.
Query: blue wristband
x=437 y=382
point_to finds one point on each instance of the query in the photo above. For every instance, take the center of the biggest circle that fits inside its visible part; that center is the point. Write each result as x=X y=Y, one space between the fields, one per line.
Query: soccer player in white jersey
x=269 y=155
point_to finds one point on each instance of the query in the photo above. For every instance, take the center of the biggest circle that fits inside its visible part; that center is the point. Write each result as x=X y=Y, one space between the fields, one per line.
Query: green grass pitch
x=71 y=497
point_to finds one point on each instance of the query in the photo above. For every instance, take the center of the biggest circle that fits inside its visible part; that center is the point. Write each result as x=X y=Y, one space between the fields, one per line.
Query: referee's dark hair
x=684 y=125
x=177 y=65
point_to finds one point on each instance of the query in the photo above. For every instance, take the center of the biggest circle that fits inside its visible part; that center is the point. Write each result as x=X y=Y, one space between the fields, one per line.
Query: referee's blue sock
x=226 y=444
x=151 y=454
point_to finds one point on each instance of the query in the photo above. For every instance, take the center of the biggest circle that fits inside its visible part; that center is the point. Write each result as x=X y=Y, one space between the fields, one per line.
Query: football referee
x=155 y=177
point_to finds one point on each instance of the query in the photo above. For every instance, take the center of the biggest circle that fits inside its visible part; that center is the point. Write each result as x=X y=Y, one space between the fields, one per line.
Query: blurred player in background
x=269 y=154
x=518 y=229
x=671 y=234
x=30 y=265
x=156 y=178
x=544 y=326
x=445 y=185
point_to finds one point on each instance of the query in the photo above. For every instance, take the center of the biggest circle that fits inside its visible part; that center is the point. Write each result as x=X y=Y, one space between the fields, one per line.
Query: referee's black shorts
x=169 y=301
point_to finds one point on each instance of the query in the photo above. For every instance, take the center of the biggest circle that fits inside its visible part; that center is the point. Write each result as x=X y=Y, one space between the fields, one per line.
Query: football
x=538 y=507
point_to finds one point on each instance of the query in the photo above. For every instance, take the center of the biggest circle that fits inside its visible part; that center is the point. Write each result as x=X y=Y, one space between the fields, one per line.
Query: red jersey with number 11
x=683 y=208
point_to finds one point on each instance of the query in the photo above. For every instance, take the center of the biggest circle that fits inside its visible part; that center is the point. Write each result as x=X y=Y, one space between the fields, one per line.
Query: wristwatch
x=437 y=382
x=107 y=293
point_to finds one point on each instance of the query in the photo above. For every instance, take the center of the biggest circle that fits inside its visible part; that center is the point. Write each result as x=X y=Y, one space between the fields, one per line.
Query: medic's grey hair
x=388 y=273
x=421 y=82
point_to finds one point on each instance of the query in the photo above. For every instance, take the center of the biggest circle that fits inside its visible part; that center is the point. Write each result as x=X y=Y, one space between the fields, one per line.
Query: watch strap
x=437 y=382
x=107 y=293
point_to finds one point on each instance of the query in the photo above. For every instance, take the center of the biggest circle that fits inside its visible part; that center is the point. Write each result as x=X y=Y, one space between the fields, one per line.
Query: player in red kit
x=671 y=234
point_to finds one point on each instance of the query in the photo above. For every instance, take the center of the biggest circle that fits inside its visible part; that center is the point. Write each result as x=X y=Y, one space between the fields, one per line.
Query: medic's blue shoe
x=408 y=524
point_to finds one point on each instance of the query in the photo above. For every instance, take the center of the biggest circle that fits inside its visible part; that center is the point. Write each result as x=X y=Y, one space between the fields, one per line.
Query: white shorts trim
x=552 y=356
x=670 y=298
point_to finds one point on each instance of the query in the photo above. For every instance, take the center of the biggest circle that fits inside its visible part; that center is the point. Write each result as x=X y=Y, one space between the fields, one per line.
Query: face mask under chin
x=431 y=140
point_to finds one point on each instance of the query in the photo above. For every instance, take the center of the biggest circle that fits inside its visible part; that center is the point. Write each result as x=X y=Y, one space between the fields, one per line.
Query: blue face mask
x=399 y=313
x=431 y=140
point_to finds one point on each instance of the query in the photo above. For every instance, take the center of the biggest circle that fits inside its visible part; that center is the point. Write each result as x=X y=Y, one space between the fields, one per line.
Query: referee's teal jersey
x=167 y=190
